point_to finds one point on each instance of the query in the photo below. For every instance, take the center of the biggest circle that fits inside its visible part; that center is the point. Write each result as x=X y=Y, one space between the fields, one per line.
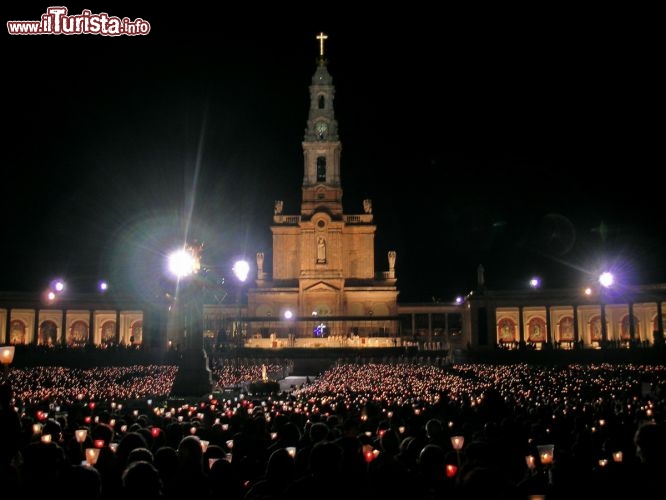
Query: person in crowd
x=10 y=435
x=141 y=481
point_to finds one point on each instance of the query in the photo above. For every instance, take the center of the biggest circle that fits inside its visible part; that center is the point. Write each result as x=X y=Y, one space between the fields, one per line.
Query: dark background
x=522 y=140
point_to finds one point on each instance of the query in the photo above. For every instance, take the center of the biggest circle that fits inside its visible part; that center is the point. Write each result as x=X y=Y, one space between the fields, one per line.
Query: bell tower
x=321 y=146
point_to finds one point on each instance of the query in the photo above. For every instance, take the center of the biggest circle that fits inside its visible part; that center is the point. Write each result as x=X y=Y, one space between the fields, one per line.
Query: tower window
x=321 y=169
x=322 y=102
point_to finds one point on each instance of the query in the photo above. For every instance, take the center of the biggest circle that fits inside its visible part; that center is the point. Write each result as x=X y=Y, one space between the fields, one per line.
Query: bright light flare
x=241 y=269
x=182 y=263
x=606 y=279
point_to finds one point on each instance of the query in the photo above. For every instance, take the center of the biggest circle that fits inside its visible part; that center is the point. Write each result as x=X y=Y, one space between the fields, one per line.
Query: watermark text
x=57 y=21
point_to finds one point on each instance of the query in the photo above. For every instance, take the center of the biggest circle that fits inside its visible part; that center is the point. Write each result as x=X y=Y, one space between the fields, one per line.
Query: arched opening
x=136 y=337
x=48 y=333
x=321 y=169
x=594 y=328
x=78 y=334
x=536 y=330
x=17 y=333
x=108 y=333
x=506 y=332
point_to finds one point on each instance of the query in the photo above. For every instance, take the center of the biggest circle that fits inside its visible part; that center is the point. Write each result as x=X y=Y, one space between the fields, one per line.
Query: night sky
x=522 y=141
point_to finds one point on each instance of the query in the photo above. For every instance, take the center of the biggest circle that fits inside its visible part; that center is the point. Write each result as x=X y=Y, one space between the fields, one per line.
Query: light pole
x=194 y=377
x=606 y=280
x=241 y=270
x=289 y=316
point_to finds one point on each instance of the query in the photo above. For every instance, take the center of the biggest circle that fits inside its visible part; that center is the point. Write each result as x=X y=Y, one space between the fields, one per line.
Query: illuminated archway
x=17 y=332
x=506 y=330
x=48 y=333
x=78 y=334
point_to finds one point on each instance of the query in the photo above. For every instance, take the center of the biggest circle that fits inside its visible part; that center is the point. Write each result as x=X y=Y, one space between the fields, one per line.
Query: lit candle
x=457 y=442
x=531 y=463
x=617 y=456
x=46 y=438
x=451 y=470
x=81 y=435
x=99 y=443
x=92 y=454
x=546 y=454
x=292 y=451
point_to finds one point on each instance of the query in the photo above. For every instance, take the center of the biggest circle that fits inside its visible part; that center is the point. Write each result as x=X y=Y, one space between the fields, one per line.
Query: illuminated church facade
x=323 y=270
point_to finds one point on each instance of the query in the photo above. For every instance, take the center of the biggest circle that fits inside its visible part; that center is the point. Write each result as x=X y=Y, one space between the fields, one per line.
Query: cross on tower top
x=321 y=37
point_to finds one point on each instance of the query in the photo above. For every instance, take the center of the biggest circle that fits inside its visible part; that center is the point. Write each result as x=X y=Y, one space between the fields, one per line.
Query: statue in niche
x=367 y=206
x=278 y=207
x=260 y=263
x=321 y=250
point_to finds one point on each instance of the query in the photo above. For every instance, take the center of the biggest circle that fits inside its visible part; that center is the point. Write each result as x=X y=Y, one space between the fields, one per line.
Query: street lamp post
x=194 y=377
x=289 y=316
x=606 y=280
x=241 y=270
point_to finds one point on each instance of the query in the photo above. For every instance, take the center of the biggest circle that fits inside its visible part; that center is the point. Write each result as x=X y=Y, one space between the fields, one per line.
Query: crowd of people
x=371 y=430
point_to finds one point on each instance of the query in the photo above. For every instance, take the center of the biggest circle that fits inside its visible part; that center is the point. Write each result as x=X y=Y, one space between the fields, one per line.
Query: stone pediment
x=320 y=286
